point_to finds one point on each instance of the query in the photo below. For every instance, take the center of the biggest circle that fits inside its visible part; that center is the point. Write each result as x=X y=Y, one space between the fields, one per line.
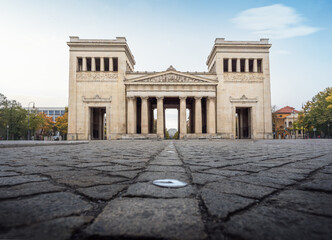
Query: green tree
x=166 y=134
x=329 y=101
x=317 y=113
x=15 y=117
x=176 y=135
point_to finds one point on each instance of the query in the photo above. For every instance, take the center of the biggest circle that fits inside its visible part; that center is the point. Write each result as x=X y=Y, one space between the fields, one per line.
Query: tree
x=46 y=125
x=317 y=112
x=166 y=134
x=329 y=101
x=176 y=135
x=15 y=117
x=61 y=123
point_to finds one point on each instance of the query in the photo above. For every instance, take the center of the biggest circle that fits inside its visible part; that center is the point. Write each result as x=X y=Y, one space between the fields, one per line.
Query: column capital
x=144 y=98
x=198 y=98
x=131 y=98
x=211 y=98
x=182 y=98
x=160 y=98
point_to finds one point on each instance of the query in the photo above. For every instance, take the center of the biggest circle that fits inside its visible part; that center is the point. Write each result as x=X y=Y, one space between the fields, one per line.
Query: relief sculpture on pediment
x=172 y=78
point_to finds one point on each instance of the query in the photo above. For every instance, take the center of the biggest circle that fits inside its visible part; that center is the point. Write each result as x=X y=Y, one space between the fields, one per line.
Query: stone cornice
x=96 y=99
x=243 y=99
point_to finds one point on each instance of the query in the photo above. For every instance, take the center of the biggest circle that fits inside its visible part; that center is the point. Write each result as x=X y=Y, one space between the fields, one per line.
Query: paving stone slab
x=57 y=229
x=83 y=178
x=240 y=188
x=246 y=167
x=104 y=192
x=117 y=168
x=269 y=223
x=222 y=204
x=305 y=201
x=149 y=218
x=224 y=172
x=157 y=168
x=318 y=185
x=28 y=189
x=203 y=178
x=166 y=162
x=150 y=190
x=40 y=208
x=264 y=180
x=8 y=174
x=327 y=170
x=283 y=175
x=126 y=174
x=14 y=180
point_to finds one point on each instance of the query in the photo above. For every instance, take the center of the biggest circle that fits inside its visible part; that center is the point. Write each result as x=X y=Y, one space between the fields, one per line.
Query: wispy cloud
x=275 y=21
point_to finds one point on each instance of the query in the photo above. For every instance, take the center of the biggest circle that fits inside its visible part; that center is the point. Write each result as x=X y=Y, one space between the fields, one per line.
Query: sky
x=34 y=54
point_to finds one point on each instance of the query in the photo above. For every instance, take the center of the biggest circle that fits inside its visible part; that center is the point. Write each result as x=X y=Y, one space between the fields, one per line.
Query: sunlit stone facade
x=109 y=100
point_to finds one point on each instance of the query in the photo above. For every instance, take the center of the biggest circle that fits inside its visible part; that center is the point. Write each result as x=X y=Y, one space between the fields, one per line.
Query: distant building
x=53 y=112
x=284 y=120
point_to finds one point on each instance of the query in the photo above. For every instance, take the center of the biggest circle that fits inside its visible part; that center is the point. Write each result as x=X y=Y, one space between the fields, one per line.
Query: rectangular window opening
x=88 y=64
x=115 y=64
x=234 y=65
x=98 y=64
x=106 y=64
x=79 y=64
x=259 y=65
x=251 y=65
x=242 y=65
x=225 y=64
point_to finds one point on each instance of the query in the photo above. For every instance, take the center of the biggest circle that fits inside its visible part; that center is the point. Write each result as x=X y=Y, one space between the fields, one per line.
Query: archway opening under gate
x=243 y=122
x=97 y=123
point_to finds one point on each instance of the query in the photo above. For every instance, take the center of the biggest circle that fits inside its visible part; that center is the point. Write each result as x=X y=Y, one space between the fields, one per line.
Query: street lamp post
x=328 y=130
x=33 y=106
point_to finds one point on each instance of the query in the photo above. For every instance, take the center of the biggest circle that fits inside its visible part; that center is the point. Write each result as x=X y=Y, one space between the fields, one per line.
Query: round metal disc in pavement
x=170 y=183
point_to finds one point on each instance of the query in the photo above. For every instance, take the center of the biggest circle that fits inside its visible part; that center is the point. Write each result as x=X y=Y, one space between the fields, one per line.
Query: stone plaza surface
x=275 y=189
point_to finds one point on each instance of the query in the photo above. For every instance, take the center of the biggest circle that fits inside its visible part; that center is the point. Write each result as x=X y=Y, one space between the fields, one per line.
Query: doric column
x=211 y=117
x=246 y=65
x=144 y=115
x=238 y=67
x=102 y=66
x=110 y=63
x=255 y=65
x=130 y=115
x=93 y=64
x=84 y=64
x=198 y=115
x=229 y=65
x=160 y=116
x=183 y=123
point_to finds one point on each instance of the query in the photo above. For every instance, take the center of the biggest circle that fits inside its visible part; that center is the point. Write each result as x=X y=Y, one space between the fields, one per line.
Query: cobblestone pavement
x=279 y=189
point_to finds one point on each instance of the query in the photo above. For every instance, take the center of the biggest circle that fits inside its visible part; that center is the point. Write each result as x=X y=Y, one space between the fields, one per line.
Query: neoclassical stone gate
x=168 y=87
x=109 y=100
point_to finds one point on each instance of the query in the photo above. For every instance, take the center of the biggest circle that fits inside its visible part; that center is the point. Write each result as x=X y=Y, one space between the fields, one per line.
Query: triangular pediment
x=170 y=77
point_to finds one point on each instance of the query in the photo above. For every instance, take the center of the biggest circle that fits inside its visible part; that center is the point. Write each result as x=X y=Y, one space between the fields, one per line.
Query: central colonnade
x=202 y=114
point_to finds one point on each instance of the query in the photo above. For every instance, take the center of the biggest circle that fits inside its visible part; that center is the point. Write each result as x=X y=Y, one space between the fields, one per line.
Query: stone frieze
x=96 y=76
x=243 y=77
